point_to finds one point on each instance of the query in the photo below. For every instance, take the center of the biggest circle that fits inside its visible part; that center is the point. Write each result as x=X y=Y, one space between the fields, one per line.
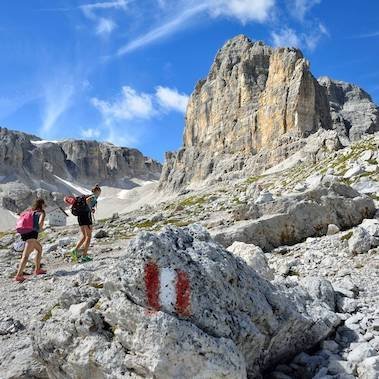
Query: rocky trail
x=338 y=269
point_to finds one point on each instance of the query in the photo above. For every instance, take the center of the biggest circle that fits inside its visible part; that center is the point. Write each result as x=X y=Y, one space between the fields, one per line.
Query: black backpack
x=80 y=206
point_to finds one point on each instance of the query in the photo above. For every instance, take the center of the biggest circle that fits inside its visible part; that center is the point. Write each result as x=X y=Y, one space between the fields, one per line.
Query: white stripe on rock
x=167 y=296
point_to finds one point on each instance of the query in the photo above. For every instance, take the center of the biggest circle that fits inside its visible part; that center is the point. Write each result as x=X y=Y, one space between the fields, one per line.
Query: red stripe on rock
x=183 y=294
x=152 y=285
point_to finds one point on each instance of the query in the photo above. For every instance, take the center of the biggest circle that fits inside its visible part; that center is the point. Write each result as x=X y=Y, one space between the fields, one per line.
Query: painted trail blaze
x=167 y=289
x=183 y=294
x=152 y=285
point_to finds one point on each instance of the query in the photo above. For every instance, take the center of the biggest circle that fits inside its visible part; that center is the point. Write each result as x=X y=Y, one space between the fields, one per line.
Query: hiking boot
x=74 y=255
x=85 y=258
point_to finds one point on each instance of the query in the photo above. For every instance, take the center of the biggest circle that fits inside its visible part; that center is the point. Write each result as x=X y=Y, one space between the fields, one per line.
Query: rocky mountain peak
x=255 y=108
x=253 y=96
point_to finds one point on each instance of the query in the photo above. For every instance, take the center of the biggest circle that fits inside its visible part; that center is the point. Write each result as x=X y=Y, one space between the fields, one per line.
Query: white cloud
x=243 y=10
x=171 y=99
x=129 y=106
x=286 y=37
x=105 y=26
x=132 y=105
x=90 y=133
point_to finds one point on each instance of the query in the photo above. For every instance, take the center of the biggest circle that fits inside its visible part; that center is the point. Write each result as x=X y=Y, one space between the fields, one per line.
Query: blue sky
x=121 y=70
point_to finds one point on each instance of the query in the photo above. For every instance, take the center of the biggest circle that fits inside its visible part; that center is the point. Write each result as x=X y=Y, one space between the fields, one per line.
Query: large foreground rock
x=178 y=305
x=300 y=216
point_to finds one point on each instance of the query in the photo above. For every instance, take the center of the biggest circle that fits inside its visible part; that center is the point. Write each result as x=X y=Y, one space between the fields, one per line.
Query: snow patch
x=42 y=142
x=75 y=187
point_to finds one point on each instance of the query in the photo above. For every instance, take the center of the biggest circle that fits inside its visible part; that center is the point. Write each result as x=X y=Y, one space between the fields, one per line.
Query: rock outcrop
x=353 y=112
x=178 y=305
x=255 y=108
x=289 y=220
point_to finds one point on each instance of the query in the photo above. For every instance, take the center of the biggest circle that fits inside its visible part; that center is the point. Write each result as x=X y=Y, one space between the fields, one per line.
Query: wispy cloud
x=90 y=133
x=289 y=37
x=57 y=99
x=105 y=26
x=299 y=8
x=89 y=9
x=367 y=35
x=285 y=37
x=163 y=30
x=58 y=96
x=11 y=103
x=242 y=10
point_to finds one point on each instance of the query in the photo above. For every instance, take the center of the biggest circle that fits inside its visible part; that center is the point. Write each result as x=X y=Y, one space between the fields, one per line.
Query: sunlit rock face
x=255 y=99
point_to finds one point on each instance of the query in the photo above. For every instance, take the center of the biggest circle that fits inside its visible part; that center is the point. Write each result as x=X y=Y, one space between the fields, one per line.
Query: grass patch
x=253 y=179
x=42 y=235
x=49 y=313
x=372 y=161
x=346 y=236
x=4 y=234
x=177 y=222
x=97 y=285
x=193 y=200
x=144 y=224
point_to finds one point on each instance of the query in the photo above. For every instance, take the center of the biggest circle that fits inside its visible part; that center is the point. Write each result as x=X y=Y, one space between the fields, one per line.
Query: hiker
x=85 y=224
x=29 y=225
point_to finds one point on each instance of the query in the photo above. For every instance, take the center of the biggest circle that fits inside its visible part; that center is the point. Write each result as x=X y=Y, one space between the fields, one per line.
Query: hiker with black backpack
x=28 y=226
x=84 y=208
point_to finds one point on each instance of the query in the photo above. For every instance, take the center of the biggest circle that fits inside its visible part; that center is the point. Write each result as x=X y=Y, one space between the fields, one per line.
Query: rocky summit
x=263 y=263
x=255 y=108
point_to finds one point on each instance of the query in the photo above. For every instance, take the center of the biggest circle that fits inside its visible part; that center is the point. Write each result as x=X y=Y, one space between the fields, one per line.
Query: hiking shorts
x=85 y=219
x=29 y=236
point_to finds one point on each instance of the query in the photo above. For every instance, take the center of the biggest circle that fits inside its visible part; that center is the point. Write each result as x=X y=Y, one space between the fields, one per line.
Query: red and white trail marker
x=168 y=289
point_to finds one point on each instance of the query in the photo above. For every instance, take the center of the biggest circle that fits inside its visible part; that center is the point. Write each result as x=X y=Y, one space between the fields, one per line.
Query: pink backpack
x=25 y=223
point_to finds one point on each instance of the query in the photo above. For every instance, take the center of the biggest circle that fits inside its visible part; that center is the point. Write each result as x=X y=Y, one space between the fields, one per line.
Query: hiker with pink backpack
x=28 y=226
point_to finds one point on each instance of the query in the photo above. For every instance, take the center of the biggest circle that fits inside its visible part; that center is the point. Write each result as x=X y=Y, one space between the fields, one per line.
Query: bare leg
x=87 y=242
x=83 y=238
x=37 y=261
x=24 y=259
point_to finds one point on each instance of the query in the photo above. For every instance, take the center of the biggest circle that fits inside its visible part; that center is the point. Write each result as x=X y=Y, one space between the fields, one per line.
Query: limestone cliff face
x=37 y=164
x=255 y=99
x=353 y=112
x=106 y=162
